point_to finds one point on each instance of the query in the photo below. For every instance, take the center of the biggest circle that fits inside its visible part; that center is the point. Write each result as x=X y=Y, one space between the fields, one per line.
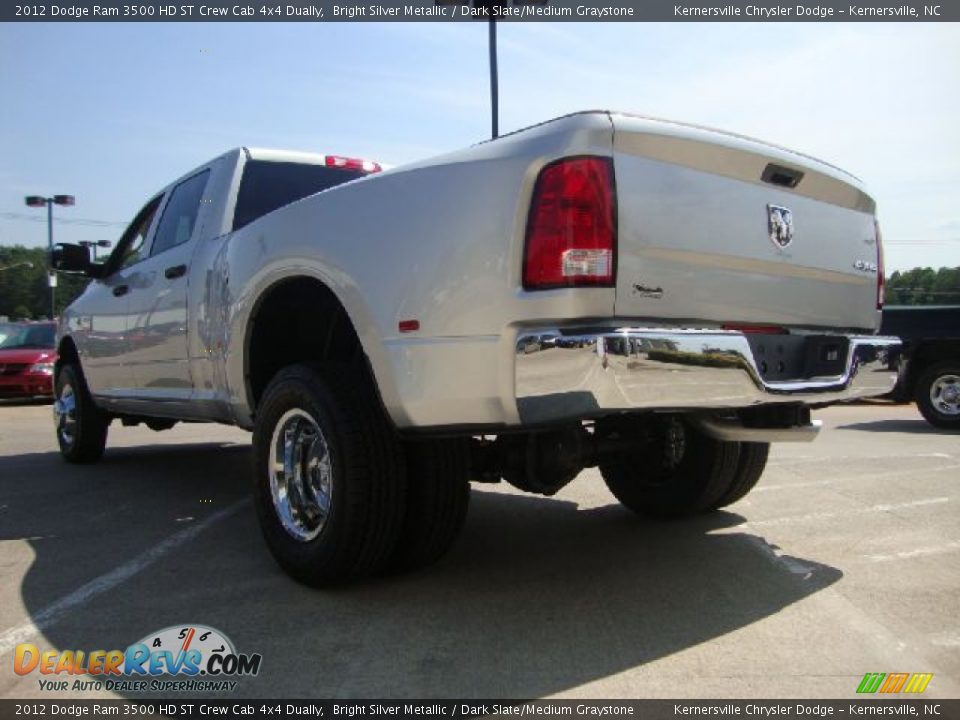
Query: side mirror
x=73 y=259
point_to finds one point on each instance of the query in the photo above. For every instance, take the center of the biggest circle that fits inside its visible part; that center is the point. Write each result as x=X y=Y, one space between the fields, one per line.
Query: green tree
x=924 y=286
x=24 y=291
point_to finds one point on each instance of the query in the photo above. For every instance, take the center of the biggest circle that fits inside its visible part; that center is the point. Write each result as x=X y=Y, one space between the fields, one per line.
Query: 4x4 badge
x=780 y=225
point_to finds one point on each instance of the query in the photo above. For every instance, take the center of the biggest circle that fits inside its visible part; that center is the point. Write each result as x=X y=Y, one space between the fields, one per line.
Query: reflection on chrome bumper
x=566 y=375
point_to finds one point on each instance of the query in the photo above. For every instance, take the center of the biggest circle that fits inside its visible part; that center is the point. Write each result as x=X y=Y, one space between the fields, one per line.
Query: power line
x=87 y=222
x=921 y=290
x=919 y=242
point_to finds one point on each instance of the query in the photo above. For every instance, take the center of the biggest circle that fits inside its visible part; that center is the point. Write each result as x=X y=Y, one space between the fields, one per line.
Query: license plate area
x=782 y=358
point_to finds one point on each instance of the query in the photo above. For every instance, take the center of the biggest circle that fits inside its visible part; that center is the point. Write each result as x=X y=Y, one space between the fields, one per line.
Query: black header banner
x=472 y=10
x=182 y=708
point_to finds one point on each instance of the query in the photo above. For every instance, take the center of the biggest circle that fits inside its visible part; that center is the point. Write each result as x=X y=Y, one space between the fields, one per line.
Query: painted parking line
x=54 y=612
x=864 y=476
x=794 y=459
x=813 y=517
x=918 y=552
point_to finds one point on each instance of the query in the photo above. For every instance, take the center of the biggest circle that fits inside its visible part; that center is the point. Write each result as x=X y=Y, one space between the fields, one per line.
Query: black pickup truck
x=930 y=360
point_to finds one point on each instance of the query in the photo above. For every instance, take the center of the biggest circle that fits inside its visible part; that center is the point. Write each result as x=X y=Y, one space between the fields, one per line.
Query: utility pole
x=494 y=82
x=487 y=9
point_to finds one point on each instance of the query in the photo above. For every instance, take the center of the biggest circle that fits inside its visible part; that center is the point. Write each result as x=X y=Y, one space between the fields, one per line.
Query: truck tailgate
x=703 y=220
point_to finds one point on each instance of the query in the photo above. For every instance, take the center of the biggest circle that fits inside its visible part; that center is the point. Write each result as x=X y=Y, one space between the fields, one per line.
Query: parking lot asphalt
x=843 y=561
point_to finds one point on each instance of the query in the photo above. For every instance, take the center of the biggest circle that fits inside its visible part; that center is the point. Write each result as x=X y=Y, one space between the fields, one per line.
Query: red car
x=27 y=354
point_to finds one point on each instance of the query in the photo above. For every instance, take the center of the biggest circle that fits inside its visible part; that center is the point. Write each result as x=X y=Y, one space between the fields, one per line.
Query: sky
x=112 y=112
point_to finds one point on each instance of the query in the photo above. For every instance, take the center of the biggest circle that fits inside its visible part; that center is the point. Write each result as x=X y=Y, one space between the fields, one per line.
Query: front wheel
x=329 y=475
x=938 y=394
x=80 y=425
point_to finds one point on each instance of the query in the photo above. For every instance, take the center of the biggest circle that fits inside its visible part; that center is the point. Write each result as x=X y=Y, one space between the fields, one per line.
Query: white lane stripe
x=919 y=552
x=948 y=639
x=790 y=520
x=865 y=476
x=51 y=614
x=791 y=486
x=832 y=458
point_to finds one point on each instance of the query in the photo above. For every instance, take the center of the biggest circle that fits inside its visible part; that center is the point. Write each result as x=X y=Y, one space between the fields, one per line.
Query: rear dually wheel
x=329 y=475
x=673 y=469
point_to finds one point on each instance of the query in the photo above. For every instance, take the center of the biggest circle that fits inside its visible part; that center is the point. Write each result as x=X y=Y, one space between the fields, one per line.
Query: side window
x=134 y=250
x=180 y=214
x=129 y=248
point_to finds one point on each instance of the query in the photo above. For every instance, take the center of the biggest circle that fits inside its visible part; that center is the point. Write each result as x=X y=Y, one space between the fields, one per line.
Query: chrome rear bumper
x=568 y=374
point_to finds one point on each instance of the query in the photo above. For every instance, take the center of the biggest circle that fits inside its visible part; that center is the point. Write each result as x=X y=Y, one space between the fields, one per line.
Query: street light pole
x=39 y=201
x=94 y=244
x=489 y=9
x=50 y=276
x=494 y=84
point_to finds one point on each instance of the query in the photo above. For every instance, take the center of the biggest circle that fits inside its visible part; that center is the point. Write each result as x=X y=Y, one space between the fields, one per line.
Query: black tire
x=938 y=410
x=438 y=495
x=81 y=427
x=750 y=466
x=364 y=475
x=666 y=477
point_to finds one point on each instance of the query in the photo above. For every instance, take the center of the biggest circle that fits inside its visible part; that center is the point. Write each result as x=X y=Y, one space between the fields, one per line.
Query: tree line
x=924 y=286
x=25 y=294
x=24 y=289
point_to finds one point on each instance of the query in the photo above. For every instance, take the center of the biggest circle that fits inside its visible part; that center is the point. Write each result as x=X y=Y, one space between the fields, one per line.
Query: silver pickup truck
x=656 y=299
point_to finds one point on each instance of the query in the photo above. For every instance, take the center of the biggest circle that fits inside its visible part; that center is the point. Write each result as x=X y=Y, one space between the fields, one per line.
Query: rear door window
x=180 y=214
x=267 y=186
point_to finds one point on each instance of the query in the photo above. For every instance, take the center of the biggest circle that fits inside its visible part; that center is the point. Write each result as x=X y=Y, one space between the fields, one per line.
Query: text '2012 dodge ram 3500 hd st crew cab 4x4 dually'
x=656 y=299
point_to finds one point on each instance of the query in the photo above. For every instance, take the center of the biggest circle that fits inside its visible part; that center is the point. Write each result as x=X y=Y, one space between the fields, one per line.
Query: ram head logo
x=780 y=225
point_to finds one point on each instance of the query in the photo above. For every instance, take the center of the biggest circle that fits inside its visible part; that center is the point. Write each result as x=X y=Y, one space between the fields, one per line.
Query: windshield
x=29 y=336
x=6 y=330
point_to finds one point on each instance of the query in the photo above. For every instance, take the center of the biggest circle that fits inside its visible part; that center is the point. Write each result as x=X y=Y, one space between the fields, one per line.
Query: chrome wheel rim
x=675 y=444
x=945 y=394
x=65 y=414
x=301 y=475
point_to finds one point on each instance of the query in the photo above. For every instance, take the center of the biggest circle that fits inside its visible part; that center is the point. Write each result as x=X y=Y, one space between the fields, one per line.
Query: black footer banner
x=179 y=707
x=469 y=10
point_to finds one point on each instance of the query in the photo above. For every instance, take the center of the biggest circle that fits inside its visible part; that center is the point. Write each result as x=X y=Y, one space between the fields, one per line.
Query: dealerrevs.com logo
x=181 y=658
x=894 y=682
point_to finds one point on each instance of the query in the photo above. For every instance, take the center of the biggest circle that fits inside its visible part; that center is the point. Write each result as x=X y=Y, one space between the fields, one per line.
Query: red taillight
x=571 y=230
x=881 y=280
x=352 y=164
